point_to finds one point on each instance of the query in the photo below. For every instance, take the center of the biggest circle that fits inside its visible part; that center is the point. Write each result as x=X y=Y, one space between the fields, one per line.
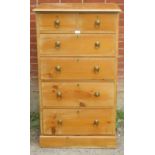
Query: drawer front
x=97 y=22
x=58 y=22
x=78 y=122
x=77 y=68
x=85 y=22
x=81 y=45
x=78 y=94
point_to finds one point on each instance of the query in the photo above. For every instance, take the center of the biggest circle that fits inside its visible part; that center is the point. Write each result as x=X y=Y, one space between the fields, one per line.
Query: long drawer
x=81 y=45
x=85 y=22
x=77 y=68
x=78 y=122
x=77 y=94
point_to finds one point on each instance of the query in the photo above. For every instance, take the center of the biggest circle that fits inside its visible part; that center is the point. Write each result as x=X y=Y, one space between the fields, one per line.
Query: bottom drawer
x=78 y=121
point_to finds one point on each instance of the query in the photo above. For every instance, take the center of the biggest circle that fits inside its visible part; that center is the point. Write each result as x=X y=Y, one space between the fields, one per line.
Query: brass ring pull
x=97 y=22
x=97 y=94
x=58 y=68
x=97 y=44
x=96 y=122
x=96 y=69
x=59 y=122
x=57 y=44
x=59 y=94
x=57 y=23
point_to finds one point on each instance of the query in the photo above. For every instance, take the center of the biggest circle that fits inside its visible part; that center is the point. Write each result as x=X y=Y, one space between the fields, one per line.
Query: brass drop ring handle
x=57 y=44
x=96 y=69
x=97 y=22
x=57 y=22
x=58 y=68
x=97 y=94
x=59 y=94
x=96 y=122
x=97 y=44
x=59 y=122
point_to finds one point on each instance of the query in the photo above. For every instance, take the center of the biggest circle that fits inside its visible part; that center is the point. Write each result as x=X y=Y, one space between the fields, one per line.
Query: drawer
x=77 y=94
x=58 y=22
x=85 y=22
x=78 y=122
x=97 y=22
x=81 y=45
x=77 y=68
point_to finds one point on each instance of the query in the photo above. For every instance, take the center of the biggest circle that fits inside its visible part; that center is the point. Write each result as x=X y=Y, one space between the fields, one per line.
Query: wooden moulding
x=78 y=141
x=77 y=7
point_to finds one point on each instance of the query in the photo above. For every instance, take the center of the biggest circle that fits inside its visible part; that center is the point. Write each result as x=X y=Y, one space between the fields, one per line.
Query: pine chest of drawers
x=77 y=60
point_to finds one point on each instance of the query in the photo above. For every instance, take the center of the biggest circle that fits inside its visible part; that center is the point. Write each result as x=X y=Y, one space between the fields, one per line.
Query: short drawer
x=78 y=122
x=81 y=45
x=57 y=22
x=89 y=22
x=77 y=68
x=77 y=94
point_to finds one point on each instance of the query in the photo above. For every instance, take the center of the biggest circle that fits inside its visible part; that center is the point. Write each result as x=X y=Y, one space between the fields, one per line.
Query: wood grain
x=76 y=81
x=77 y=21
x=77 y=7
x=77 y=68
x=78 y=122
x=68 y=22
x=78 y=141
x=77 y=94
x=77 y=45
x=86 y=22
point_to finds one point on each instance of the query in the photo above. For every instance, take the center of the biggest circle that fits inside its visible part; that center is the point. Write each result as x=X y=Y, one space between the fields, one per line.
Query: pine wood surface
x=85 y=22
x=77 y=68
x=78 y=122
x=78 y=141
x=71 y=69
x=77 y=7
x=87 y=45
x=77 y=94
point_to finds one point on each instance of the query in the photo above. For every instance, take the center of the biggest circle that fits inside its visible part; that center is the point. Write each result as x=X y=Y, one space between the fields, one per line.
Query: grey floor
x=36 y=150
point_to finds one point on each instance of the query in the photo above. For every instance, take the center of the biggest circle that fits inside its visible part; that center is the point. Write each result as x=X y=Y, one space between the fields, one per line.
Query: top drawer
x=70 y=22
x=57 y=22
x=97 y=22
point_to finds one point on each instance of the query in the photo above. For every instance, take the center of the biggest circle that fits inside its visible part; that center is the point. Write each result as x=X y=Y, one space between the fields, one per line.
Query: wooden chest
x=77 y=57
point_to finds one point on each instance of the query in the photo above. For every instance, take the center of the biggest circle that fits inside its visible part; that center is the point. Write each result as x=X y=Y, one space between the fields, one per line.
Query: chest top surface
x=77 y=7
